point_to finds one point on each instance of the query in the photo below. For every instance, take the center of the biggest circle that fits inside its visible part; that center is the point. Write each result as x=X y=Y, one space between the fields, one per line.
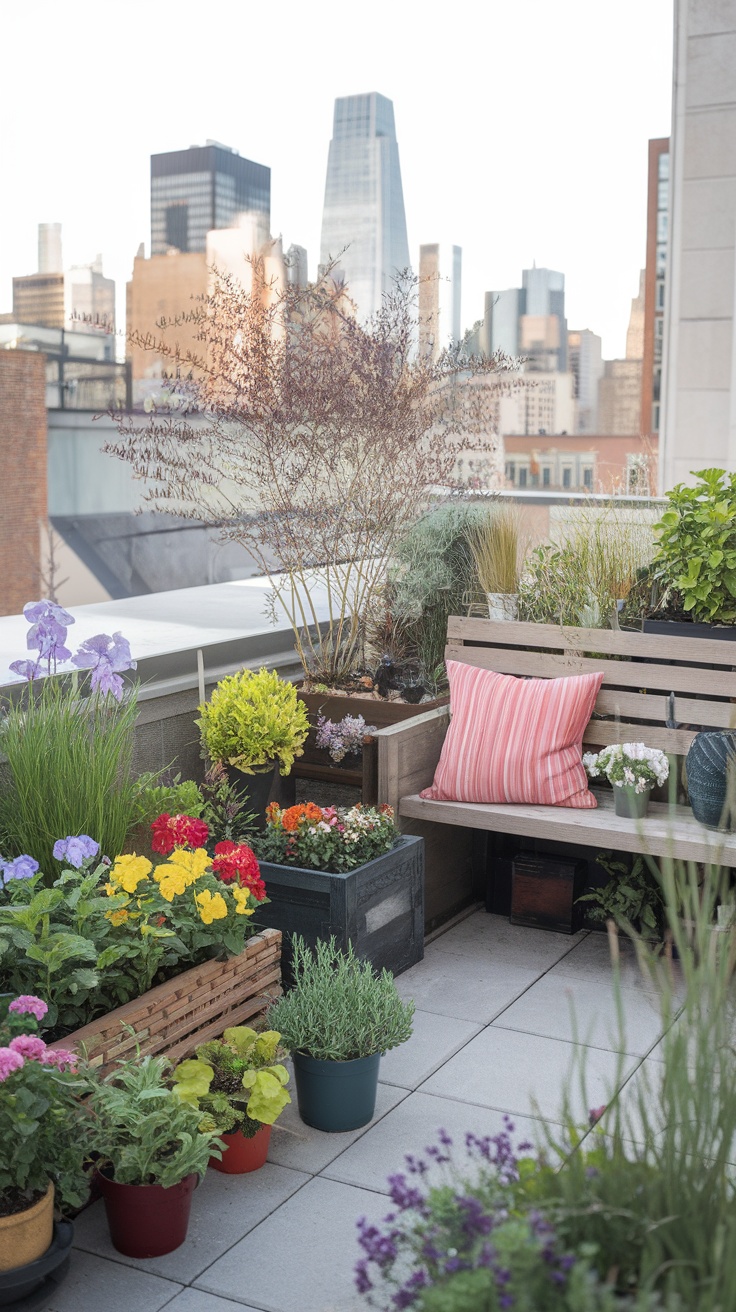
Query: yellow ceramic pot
x=24 y=1236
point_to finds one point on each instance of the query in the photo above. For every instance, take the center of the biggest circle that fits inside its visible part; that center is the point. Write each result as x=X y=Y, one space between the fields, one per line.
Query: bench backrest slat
x=635 y=695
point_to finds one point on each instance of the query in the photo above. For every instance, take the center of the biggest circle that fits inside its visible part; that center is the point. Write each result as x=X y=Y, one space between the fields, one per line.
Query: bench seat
x=664 y=832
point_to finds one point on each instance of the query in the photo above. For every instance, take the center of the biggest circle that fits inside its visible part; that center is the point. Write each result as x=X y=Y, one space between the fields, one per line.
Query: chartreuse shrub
x=253 y=720
x=697 y=546
x=236 y=1081
x=635 y=1210
x=339 y=1008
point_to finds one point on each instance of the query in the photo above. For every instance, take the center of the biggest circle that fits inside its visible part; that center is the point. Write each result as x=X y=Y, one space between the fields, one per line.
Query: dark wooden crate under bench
x=544 y=892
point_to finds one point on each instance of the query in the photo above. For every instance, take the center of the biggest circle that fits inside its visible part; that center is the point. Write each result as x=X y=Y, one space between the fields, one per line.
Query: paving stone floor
x=502 y=1013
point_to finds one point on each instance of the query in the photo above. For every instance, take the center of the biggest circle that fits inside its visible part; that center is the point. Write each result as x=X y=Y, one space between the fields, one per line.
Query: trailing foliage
x=252 y=720
x=142 y=1133
x=340 y=1008
x=235 y=1081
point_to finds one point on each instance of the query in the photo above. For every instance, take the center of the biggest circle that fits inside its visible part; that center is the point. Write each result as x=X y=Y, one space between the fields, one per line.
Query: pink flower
x=9 y=1061
x=62 y=1058
x=29 y=1046
x=595 y=1114
x=28 y=1002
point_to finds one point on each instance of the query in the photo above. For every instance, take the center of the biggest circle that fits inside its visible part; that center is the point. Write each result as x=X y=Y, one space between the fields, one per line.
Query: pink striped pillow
x=515 y=740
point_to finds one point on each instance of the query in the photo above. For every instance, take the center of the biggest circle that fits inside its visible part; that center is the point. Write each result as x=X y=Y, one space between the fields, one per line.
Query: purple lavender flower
x=75 y=849
x=107 y=657
x=23 y=867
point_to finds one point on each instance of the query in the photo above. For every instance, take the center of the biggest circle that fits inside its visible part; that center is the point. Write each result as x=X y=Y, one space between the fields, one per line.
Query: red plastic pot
x=147 y=1220
x=243 y=1154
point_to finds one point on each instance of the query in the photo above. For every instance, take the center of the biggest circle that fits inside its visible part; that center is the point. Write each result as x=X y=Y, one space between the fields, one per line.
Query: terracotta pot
x=243 y=1154
x=25 y=1236
x=147 y=1220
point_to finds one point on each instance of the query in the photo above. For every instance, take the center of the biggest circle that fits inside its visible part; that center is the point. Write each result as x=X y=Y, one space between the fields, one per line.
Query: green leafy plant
x=696 y=553
x=69 y=770
x=224 y=809
x=42 y=1120
x=253 y=720
x=180 y=797
x=340 y=1008
x=632 y=896
x=236 y=1080
x=142 y=1132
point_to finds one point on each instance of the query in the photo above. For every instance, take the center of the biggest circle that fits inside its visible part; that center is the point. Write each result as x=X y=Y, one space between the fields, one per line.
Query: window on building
x=177 y=226
x=523 y=472
x=546 y=476
x=588 y=478
x=511 y=471
x=660 y=294
x=567 y=476
x=663 y=167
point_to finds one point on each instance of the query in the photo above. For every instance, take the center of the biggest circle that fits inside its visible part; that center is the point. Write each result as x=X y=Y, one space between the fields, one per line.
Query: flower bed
x=189 y=1009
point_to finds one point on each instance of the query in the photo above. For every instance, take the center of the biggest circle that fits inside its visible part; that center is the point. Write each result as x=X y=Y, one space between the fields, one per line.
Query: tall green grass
x=68 y=770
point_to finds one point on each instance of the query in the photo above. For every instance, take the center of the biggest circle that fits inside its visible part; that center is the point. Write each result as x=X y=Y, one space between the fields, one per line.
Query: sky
x=522 y=126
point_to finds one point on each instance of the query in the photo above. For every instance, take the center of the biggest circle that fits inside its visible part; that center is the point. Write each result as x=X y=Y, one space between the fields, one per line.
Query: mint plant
x=697 y=546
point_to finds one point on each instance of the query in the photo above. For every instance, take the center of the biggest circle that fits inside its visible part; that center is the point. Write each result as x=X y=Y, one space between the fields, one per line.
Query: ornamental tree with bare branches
x=312 y=439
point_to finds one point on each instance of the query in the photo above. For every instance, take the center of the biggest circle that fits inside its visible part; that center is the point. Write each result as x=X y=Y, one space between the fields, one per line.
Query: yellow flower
x=117 y=917
x=172 y=881
x=211 y=907
x=241 y=896
x=194 y=863
x=129 y=871
x=111 y=890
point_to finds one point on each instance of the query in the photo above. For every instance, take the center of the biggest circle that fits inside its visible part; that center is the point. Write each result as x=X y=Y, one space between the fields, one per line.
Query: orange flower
x=313 y=812
x=291 y=816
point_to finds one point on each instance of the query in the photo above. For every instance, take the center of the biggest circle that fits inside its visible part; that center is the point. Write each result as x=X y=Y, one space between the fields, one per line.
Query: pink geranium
x=9 y=1062
x=28 y=1003
x=29 y=1046
x=62 y=1058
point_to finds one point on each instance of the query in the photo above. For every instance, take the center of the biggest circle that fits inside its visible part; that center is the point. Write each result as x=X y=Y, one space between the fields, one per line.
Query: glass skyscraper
x=205 y=187
x=363 y=221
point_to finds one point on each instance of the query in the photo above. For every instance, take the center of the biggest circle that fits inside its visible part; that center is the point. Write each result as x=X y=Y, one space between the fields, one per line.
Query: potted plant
x=238 y=1085
x=495 y=544
x=347 y=872
x=633 y=769
x=345 y=738
x=152 y=1151
x=252 y=724
x=696 y=557
x=42 y=1157
x=337 y=1020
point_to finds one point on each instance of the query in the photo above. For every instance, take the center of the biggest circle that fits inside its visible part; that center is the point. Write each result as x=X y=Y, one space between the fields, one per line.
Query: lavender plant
x=345 y=738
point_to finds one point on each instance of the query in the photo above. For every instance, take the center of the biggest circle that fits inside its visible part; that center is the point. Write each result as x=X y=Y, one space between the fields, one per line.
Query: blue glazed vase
x=709 y=763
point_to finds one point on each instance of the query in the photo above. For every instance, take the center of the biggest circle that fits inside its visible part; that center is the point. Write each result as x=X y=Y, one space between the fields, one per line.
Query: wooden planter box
x=375 y=710
x=379 y=906
x=189 y=1009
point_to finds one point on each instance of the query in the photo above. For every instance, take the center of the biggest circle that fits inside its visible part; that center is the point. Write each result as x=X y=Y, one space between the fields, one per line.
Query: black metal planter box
x=688 y=629
x=379 y=907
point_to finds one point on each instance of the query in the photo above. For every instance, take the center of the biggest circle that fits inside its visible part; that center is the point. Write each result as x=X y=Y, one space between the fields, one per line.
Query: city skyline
x=498 y=155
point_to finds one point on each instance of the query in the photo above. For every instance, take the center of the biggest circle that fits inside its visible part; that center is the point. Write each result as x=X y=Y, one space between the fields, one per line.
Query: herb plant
x=331 y=838
x=253 y=720
x=632 y=896
x=236 y=1081
x=340 y=1008
x=696 y=553
x=142 y=1132
x=42 y=1121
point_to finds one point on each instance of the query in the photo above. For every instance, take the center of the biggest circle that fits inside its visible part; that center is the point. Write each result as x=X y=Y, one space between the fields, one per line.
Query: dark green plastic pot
x=336 y=1095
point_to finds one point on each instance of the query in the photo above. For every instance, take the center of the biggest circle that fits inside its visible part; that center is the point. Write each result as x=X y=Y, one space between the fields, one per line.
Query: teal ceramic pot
x=709 y=762
x=629 y=803
x=336 y=1095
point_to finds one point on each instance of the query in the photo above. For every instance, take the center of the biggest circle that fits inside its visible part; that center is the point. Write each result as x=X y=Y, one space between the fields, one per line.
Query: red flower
x=236 y=862
x=170 y=831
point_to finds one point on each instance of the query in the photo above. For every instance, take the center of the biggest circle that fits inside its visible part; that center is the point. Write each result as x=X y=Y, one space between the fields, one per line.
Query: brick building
x=23 y=462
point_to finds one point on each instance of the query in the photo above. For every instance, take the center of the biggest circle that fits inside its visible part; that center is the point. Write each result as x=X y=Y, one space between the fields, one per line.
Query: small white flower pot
x=503 y=605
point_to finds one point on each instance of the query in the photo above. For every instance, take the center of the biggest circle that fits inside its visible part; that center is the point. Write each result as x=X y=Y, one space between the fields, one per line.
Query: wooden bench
x=657 y=690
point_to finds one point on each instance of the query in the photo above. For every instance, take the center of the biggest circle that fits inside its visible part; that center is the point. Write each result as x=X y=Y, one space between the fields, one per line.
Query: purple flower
x=47 y=634
x=595 y=1114
x=363 y=1282
x=9 y=1062
x=107 y=657
x=29 y=1004
x=23 y=867
x=75 y=849
x=26 y=669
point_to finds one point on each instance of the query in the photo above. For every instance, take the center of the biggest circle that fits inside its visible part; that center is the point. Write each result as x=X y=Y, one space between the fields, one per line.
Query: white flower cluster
x=629 y=764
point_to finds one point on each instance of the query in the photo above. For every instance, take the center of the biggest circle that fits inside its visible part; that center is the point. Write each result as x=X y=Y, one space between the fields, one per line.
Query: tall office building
x=440 y=291
x=79 y=300
x=204 y=187
x=363 y=220
x=584 y=357
x=529 y=321
x=49 y=248
x=655 y=276
x=698 y=427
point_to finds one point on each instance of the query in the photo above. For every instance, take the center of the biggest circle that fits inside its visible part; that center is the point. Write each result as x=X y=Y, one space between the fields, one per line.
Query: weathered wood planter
x=189 y=1009
x=379 y=906
x=375 y=710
